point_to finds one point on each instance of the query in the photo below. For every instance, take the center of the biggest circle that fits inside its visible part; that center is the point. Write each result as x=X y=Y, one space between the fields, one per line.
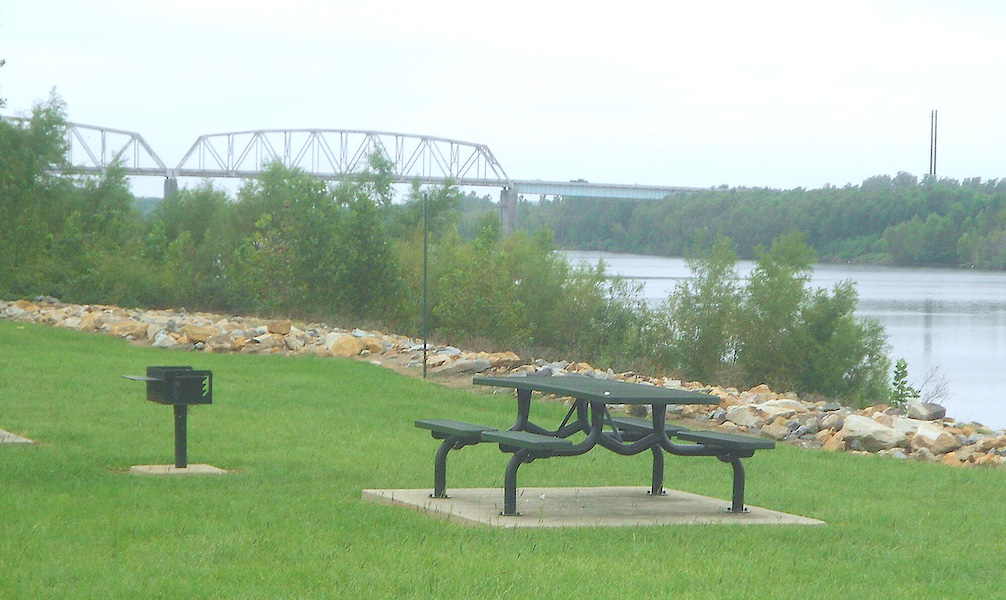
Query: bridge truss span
x=335 y=154
x=92 y=150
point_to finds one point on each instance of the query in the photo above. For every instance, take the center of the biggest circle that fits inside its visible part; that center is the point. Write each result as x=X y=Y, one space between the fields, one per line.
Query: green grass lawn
x=304 y=437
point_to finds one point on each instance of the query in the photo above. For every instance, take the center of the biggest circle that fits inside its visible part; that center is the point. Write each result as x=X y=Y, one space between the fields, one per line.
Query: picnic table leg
x=440 y=467
x=737 y=502
x=657 y=486
x=510 y=482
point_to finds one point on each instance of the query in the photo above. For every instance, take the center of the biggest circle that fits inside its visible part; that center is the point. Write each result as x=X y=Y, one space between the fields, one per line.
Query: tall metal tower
x=932 y=144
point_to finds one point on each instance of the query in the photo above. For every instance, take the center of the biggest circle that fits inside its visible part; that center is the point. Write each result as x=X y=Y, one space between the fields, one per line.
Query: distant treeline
x=887 y=220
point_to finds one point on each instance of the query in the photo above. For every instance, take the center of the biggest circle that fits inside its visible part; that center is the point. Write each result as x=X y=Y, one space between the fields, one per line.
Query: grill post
x=181 y=436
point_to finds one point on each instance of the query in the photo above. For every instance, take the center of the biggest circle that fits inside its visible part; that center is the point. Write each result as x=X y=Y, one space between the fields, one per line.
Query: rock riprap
x=923 y=432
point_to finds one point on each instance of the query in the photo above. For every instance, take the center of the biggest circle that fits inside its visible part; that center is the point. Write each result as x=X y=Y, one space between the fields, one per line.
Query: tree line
x=351 y=254
x=886 y=220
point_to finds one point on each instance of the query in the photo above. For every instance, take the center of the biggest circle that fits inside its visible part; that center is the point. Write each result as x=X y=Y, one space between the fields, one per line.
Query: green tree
x=770 y=351
x=32 y=200
x=700 y=317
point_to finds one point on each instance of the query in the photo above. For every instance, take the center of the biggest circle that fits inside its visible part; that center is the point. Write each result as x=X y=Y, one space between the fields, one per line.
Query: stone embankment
x=923 y=432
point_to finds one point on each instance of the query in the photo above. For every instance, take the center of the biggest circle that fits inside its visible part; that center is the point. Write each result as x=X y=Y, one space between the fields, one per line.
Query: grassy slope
x=306 y=435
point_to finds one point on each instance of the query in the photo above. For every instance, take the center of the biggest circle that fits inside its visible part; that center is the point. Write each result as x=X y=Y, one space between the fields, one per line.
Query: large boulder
x=279 y=327
x=344 y=346
x=935 y=438
x=871 y=435
x=198 y=333
x=463 y=364
x=925 y=411
x=747 y=415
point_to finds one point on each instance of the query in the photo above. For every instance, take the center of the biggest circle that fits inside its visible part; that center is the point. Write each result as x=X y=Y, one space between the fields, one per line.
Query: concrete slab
x=582 y=507
x=173 y=470
x=7 y=437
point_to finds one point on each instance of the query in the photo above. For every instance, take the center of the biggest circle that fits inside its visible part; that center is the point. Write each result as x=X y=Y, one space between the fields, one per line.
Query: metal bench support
x=737 y=501
x=455 y=435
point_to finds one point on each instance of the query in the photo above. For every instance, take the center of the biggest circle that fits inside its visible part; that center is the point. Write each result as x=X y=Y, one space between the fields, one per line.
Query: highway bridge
x=331 y=155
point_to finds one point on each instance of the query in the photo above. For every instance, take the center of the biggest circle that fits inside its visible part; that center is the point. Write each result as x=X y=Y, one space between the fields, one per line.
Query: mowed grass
x=304 y=436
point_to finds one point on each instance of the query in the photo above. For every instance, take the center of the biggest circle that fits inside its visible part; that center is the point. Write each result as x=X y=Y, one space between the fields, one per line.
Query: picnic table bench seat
x=442 y=428
x=509 y=441
x=729 y=441
x=455 y=435
x=640 y=425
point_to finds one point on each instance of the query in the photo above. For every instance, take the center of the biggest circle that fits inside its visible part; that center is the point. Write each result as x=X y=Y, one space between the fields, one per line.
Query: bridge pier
x=170 y=186
x=508 y=210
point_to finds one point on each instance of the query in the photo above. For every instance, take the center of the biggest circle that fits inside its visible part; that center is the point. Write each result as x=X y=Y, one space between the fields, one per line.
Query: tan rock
x=238 y=343
x=128 y=327
x=824 y=435
x=747 y=415
x=785 y=404
x=884 y=419
x=986 y=444
x=267 y=340
x=696 y=410
x=346 y=346
x=91 y=321
x=294 y=343
x=509 y=360
x=870 y=435
x=759 y=393
x=934 y=437
x=372 y=344
x=729 y=427
x=951 y=460
x=320 y=350
x=197 y=333
x=219 y=343
x=777 y=430
x=279 y=327
x=835 y=443
x=967 y=453
x=876 y=408
x=990 y=460
x=26 y=306
x=727 y=400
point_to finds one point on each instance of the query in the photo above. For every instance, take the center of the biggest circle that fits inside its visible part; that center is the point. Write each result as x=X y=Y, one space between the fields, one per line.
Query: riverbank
x=924 y=432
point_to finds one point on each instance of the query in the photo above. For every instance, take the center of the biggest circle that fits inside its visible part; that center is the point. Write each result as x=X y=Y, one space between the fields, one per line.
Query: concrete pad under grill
x=7 y=437
x=173 y=470
x=582 y=507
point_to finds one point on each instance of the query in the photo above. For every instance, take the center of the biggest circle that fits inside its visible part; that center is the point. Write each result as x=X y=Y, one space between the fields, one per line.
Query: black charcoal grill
x=180 y=387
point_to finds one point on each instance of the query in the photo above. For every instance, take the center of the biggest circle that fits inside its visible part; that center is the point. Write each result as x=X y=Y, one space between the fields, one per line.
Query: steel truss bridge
x=331 y=155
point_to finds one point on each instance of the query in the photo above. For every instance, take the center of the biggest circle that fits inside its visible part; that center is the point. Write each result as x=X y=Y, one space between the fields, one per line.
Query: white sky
x=774 y=93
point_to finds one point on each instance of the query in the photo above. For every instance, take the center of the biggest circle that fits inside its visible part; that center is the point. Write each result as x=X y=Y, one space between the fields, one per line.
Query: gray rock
x=832 y=421
x=463 y=365
x=925 y=411
x=871 y=435
x=746 y=415
x=163 y=340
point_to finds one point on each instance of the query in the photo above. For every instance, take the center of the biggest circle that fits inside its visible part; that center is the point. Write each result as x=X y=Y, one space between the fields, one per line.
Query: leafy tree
x=771 y=351
x=32 y=204
x=699 y=319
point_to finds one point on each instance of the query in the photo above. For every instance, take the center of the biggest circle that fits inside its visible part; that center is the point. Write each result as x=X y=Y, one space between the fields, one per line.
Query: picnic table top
x=606 y=390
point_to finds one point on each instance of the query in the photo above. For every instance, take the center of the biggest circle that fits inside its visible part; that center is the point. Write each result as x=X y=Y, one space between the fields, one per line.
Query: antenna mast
x=932 y=144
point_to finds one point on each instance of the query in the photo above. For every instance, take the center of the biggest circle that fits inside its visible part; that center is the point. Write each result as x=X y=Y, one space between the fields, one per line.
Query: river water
x=949 y=324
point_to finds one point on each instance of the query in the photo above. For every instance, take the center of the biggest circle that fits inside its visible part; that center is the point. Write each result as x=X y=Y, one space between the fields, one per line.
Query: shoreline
x=924 y=432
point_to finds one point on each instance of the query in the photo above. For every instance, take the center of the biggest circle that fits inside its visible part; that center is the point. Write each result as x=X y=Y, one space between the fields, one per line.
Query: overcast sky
x=773 y=93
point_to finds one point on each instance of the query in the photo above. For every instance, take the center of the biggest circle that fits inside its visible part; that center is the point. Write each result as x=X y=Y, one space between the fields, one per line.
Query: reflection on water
x=952 y=322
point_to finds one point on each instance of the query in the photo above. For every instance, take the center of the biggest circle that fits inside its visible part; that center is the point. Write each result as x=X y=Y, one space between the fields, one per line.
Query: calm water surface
x=950 y=321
